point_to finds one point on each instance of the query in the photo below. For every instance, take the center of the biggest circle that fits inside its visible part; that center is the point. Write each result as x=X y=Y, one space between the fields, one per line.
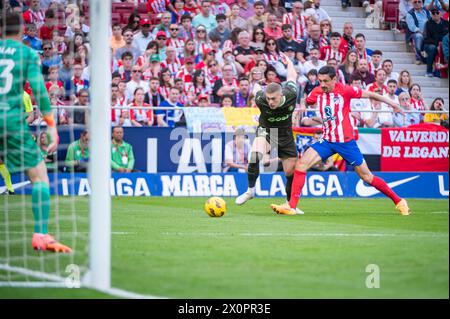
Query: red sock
x=297 y=185
x=381 y=185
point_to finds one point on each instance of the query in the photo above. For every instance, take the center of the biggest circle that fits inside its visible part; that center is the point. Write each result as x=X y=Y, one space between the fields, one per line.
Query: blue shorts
x=349 y=151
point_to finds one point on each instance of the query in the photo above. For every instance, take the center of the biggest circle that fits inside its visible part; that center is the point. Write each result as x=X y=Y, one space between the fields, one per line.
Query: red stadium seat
x=116 y=17
x=391 y=10
x=125 y=17
x=123 y=8
x=142 y=8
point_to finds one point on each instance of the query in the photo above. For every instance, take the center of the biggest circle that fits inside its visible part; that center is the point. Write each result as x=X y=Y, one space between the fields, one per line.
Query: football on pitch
x=215 y=207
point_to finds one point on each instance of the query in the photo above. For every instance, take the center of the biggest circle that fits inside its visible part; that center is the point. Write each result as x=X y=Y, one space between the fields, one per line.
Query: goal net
x=79 y=222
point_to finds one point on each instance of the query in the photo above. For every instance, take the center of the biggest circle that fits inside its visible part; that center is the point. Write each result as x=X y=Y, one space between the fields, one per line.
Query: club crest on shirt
x=328 y=111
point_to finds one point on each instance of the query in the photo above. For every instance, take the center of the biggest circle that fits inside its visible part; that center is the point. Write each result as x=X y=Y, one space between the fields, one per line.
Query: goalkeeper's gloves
x=52 y=133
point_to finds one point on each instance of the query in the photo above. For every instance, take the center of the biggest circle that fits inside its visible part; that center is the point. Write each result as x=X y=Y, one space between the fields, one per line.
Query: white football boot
x=245 y=197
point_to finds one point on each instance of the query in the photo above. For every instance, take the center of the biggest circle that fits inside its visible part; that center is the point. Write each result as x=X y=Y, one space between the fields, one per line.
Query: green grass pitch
x=169 y=247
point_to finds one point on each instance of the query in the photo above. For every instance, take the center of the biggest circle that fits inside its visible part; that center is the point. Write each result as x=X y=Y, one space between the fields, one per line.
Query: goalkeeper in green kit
x=19 y=63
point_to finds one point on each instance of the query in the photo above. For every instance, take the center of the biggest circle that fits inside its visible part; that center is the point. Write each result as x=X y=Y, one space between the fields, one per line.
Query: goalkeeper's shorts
x=18 y=149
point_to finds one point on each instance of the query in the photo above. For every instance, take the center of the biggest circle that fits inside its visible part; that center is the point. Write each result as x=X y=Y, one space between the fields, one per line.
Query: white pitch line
x=59 y=282
x=310 y=234
x=438 y=212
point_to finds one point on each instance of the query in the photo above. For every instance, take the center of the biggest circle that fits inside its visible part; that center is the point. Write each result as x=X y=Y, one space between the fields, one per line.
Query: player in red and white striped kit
x=333 y=103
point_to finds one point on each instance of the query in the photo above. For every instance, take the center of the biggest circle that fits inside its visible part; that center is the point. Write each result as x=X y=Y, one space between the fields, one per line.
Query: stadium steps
x=391 y=43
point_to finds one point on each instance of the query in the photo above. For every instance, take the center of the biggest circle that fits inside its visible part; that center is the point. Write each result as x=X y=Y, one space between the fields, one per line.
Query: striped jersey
x=334 y=109
x=298 y=25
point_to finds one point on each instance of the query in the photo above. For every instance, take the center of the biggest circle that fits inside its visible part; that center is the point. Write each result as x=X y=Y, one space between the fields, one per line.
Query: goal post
x=99 y=274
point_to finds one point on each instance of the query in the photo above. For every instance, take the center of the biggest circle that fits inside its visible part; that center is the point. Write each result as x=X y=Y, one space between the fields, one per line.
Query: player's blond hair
x=273 y=88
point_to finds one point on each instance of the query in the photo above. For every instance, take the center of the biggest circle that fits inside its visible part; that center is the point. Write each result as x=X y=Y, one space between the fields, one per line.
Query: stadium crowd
x=184 y=53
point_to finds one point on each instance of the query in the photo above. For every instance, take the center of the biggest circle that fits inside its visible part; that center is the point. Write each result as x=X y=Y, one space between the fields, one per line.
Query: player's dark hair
x=392 y=81
x=11 y=24
x=328 y=70
x=286 y=27
x=387 y=60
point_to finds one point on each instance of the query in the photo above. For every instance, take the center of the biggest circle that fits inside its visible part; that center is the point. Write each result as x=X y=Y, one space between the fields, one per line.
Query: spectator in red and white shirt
x=186 y=73
x=116 y=112
x=159 y=6
x=34 y=14
x=140 y=117
x=271 y=52
x=332 y=50
x=417 y=101
x=200 y=85
x=174 y=40
x=297 y=20
x=53 y=74
x=76 y=83
x=378 y=84
x=165 y=83
x=171 y=62
x=134 y=83
x=377 y=57
x=347 y=41
x=201 y=40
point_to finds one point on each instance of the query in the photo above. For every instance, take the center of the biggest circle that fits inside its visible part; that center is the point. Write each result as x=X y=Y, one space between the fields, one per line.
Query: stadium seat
x=142 y=8
x=123 y=8
x=391 y=10
x=125 y=17
x=116 y=17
